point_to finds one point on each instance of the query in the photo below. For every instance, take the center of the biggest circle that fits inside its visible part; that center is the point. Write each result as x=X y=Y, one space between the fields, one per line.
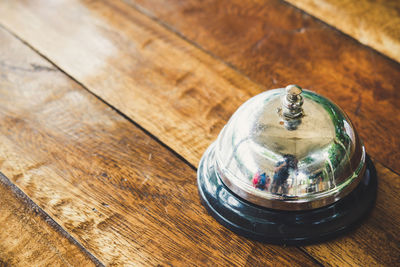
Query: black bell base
x=285 y=227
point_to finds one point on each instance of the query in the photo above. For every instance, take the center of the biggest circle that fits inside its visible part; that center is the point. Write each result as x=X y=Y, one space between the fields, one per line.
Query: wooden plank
x=272 y=36
x=29 y=237
x=276 y=44
x=146 y=64
x=184 y=96
x=373 y=23
x=376 y=242
x=123 y=196
x=153 y=77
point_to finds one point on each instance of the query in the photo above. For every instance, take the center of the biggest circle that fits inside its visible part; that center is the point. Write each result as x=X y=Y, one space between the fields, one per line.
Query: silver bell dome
x=289 y=149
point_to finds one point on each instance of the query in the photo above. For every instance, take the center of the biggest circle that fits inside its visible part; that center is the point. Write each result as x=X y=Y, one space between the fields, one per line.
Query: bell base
x=285 y=227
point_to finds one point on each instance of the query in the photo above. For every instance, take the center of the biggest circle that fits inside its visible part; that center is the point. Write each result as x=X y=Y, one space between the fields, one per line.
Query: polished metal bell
x=286 y=150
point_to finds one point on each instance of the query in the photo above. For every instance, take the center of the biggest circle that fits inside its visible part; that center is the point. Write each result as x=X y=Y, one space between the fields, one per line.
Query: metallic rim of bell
x=283 y=202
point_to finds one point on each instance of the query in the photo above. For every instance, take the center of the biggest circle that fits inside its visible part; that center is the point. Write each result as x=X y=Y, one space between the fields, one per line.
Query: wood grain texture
x=29 y=237
x=276 y=44
x=272 y=38
x=184 y=96
x=123 y=196
x=373 y=23
x=146 y=64
x=154 y=77
x=376 y=242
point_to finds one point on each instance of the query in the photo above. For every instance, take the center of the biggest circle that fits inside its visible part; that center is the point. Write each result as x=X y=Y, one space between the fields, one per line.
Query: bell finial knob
x=293 y=101
x=293 y=90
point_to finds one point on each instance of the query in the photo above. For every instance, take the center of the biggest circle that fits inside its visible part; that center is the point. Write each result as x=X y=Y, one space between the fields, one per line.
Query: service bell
x=288 y=168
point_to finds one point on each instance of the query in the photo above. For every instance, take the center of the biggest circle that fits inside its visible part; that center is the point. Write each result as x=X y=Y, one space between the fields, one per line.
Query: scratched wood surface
x=181 y=83
x=374 y=23
x=139 y=58
x=119 y=193
x=29 y=237
x=281 y=45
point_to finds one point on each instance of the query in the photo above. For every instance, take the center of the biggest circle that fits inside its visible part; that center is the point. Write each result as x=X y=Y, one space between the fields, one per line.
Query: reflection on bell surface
x=293 y=162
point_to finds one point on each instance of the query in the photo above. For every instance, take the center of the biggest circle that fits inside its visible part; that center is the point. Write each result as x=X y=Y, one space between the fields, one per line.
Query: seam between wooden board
x=337 y=29
x=101 y=99
x=46 y=217
x=333 y=27
x=310 y=256
x=183 y=37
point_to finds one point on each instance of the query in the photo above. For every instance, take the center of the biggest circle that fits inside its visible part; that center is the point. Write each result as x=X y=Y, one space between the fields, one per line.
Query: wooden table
x=107 y=106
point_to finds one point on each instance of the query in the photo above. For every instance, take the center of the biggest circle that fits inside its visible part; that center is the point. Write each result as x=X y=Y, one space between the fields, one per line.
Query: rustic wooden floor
x=107 y=106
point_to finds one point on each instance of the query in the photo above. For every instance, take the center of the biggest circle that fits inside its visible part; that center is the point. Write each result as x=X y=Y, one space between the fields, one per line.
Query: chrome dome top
x=289 y=149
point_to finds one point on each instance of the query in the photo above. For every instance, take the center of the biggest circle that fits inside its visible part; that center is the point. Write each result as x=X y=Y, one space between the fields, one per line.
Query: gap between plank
x=102 y=100
x=310 y=257
x=46 y=217
x=183 y=37
x=338 y=30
